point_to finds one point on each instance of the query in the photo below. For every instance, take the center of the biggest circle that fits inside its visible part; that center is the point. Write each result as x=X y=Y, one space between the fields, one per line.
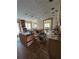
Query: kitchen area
x=48 y=39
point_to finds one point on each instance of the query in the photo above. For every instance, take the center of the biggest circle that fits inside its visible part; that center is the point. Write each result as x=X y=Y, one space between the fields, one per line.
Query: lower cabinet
x=26 y=40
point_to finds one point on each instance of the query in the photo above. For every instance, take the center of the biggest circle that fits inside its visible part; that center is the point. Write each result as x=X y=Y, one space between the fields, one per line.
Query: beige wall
x=39 y=24
x=56 y=18
x=54 y=22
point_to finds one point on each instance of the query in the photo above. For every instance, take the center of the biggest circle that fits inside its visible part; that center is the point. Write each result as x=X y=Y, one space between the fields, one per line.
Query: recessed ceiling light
x=26 y=14
x=52 y=8
x=56 y=10
x=53 y=15
x=31 y=16
x=50 y=0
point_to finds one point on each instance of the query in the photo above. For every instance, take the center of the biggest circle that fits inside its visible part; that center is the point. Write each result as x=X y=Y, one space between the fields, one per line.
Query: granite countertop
x=52 y=36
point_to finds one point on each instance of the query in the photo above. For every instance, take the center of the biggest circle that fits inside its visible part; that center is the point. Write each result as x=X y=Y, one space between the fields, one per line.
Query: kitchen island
x=26 y=38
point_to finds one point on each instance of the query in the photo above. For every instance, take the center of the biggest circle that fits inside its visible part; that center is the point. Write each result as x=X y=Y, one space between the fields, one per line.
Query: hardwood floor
x=38 y=50
x=54 y=49
x=34 y=51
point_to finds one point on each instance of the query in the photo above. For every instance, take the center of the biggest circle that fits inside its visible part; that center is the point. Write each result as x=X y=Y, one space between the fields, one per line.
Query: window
x=28 y=25
x=17 y=29
x=47 y=24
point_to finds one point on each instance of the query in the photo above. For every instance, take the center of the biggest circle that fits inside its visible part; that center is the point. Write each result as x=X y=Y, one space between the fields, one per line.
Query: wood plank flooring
x=48 y=50
x=35 y=51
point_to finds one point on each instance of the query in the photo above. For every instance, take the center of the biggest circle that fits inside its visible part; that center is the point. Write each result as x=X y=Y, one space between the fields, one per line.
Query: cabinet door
x=23 y=38
x=54 y=49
